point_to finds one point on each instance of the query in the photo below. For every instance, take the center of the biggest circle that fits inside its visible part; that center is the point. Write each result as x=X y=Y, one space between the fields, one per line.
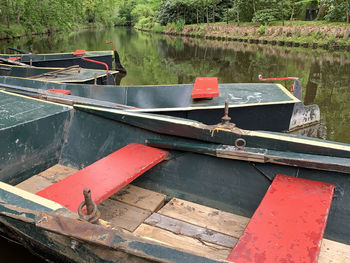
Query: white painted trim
x=31 y=98
x=31 y=197
x=327 y=144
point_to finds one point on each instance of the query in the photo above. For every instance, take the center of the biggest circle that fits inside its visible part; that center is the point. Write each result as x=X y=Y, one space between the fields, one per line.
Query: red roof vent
x=79 y=52
x=14 y=58
x=63 y=91
x=205 y=88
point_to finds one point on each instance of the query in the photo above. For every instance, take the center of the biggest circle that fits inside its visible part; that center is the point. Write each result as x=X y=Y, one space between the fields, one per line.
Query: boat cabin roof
x=166 y=97
x=73 y=74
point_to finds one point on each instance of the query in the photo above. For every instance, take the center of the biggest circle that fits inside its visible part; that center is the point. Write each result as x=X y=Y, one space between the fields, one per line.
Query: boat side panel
x=31 y=147
x=64 y=240
x=63 y=63
x=275 y=117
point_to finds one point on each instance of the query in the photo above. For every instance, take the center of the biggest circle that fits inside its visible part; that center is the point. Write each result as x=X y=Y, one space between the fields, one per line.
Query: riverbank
x=17 y=31
x=327 y=36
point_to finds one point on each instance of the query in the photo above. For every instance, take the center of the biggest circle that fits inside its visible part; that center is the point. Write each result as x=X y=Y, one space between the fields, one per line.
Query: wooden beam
x=190 y=230
x=210 y=218
x=181 y=242
x=140 y=197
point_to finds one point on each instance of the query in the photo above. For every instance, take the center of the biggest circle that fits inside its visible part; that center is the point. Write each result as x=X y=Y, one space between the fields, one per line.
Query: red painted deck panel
x=288 y=225
x=79 y=52
x=205 y=88
x=104 y=177
x=14 y=58
x=63 y=91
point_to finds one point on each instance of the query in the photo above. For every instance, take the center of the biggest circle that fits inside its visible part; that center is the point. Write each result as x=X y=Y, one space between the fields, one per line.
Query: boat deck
x=178 y=223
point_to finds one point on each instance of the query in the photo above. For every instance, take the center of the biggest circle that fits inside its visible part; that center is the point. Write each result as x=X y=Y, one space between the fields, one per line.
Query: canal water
x=160 y=59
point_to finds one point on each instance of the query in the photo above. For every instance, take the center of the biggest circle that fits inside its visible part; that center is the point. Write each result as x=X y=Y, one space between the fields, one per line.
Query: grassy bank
x=296 y=33
x=16 y=31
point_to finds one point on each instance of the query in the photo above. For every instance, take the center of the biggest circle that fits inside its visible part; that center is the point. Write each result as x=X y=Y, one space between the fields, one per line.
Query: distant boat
x=72 y=74
x=253 y=106
x=194 y=188
x=62 y=60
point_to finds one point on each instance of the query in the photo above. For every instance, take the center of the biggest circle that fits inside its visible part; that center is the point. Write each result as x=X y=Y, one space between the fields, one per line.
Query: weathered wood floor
x=185 y=225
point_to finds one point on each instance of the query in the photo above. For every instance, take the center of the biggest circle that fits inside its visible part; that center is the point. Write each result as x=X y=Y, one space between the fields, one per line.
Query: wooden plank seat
x=104 y=177
x=205 y=88
x=288 y=225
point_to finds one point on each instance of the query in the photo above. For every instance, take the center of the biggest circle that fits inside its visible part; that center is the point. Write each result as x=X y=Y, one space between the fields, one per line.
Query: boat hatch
x=63 y=91
x=205 y=88
x=289 y=223
x=14 y=58
x=79 y=52
x=104 y=177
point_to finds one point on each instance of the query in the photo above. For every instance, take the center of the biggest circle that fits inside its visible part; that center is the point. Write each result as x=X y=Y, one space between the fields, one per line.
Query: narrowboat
x=85 y=183
x=253 y=106
x=72 y=74
x=63 y=60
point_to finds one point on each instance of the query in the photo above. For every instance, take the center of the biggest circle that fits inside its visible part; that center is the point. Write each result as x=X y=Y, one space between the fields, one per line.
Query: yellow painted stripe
x=148 y=116
x=295 y=99
x=31 y=197
x=54 y=68
x=213 y=107
x=31 y=98
x=281 y=137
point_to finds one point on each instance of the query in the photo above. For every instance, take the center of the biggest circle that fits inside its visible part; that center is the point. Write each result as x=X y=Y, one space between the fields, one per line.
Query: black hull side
x=275 y=117
x=76 y=61
x=58 y=248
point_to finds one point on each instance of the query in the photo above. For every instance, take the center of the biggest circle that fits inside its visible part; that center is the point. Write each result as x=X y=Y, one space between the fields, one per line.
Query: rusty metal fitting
x=95 y=79
x=92 y=214
x=226 y=119
x=240 y=144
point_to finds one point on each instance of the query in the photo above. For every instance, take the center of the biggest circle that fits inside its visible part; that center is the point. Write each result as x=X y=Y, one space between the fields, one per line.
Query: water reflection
x=159 y=59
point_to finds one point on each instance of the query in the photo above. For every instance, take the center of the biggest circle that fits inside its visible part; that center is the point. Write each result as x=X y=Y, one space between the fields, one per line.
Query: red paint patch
x=79 y=52
x=14 y=58
x=104 y=177
x=288 y=224
x=205 y=88
x=63 y=91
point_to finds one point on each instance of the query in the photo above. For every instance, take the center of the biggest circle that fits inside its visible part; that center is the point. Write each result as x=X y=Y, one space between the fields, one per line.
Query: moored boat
x=255 y=106
x=72 y=74
x=62 y=60
x=214 y=176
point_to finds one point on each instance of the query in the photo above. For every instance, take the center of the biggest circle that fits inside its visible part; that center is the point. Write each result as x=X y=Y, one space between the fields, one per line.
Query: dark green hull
x=252 y=106
x=74 y=75
x=63 y=60
x=47 y=133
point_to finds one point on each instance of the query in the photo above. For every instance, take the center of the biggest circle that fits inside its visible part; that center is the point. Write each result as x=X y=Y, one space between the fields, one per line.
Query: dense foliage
x=18 y=17
x=26 y=16
x=151 y=12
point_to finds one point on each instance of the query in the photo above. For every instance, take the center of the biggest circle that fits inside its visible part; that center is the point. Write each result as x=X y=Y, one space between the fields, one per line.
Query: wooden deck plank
x=210 y=218
x=187 y=229
x=140 y=197
x=334 y=252
x=122 y=215
x=57 y=172
x=331 y=251
x=185 y=243
x=44 y=179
